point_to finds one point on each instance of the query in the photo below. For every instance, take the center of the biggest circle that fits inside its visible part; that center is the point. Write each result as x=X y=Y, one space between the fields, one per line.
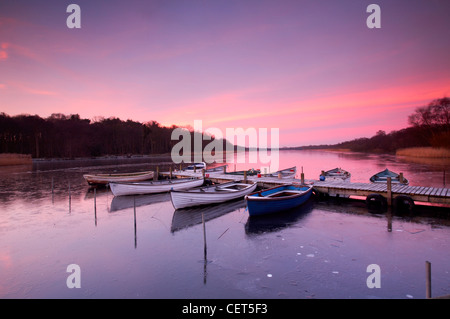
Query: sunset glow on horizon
x=313 y=69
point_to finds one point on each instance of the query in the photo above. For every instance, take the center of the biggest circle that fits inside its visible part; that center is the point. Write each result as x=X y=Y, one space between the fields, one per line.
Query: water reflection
x=187 y=217
x=276 y=222
x=125 y=202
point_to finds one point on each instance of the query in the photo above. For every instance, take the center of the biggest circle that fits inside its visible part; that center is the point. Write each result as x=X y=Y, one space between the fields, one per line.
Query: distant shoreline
x=10 y=159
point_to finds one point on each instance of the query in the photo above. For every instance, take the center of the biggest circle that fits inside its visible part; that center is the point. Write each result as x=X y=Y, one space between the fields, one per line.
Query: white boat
x=196 y=166
x=285 y=173
x=217 y=168
x=211 y=194
x=336 y=174
x=94 y=179
x=120 y=189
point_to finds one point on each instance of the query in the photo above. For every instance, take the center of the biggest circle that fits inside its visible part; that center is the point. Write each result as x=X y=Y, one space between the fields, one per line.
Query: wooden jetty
x=390 y=192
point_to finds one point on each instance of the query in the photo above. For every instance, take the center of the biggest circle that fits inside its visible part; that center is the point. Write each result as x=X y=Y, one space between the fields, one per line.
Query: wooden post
x=389 y=191
x=389 y=219
x=401 y=178
x=245 y=176
x=203 y=172
x=428 y=279
x=279 y=175
x=204 y=234
x=302 y=176
x=135 y=228
x=170 y=172
x=156 y=176
x=70 y=199
x=224 y=169
x=95 y=205
x=444 y=178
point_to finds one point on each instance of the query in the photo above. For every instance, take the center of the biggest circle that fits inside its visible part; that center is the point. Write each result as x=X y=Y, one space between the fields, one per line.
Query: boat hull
x=94 y=179
x=191 y=198
x=382 y=176
x=335 y=175
x=285 y=173
x=123 y=189
x=268 y=202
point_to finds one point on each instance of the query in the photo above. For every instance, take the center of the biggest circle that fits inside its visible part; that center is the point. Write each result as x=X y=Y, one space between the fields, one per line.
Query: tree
x=436 y=113
x=435 y=118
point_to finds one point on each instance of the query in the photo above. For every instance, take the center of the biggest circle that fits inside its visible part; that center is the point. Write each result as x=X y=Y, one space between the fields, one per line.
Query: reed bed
x=429 y=152
x=8 y=159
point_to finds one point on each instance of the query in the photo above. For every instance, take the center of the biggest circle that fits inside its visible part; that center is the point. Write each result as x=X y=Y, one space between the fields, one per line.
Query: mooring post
x=389 y=191
x=53 y=190
x=428 y=279
x=444 y=178
x=203 y=172
x=135 y=227
x=401 y=178
x=155 y=177
x=204 y=235
x=170 y=172
x=245 y=176
x=70 y=199
x=95 y=205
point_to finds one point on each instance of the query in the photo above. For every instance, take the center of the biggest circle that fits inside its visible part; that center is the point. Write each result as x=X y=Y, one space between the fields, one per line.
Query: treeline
x=389 y=143
x=429 y=126
x=69 y=136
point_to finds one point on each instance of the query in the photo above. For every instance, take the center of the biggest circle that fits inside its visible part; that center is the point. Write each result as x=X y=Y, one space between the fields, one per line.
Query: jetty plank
x=438 y=195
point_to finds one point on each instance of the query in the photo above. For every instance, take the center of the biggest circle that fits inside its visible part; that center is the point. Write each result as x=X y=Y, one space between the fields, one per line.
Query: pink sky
x=313 y=69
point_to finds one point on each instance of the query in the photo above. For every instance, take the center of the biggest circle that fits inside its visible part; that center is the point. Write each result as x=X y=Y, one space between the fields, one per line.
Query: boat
x=276 y=199
x=196 y=166
x=284 y=173
x=250 y=172
x=336 y=174
x=220 y=168
x=211 y=194
x=152 y=187
x=103 y=179
x=382 y=176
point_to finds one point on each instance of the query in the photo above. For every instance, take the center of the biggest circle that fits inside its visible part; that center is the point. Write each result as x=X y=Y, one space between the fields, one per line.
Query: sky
x=312 y=69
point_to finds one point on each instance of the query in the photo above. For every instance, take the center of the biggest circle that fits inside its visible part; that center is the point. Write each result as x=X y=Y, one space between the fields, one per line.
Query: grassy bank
x=8 y=159
x=428 y=152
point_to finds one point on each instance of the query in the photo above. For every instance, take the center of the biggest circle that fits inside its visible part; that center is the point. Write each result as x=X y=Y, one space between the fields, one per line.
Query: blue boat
x=277 y=199
x=382 y=176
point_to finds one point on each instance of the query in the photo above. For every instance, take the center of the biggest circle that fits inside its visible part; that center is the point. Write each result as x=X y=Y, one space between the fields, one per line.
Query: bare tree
x=436 y=113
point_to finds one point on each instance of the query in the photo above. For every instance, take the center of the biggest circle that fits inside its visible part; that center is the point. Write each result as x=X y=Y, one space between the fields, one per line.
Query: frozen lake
x=321 y=250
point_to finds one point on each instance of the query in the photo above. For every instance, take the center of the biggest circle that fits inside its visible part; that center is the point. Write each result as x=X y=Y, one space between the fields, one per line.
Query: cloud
x=3 y=53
